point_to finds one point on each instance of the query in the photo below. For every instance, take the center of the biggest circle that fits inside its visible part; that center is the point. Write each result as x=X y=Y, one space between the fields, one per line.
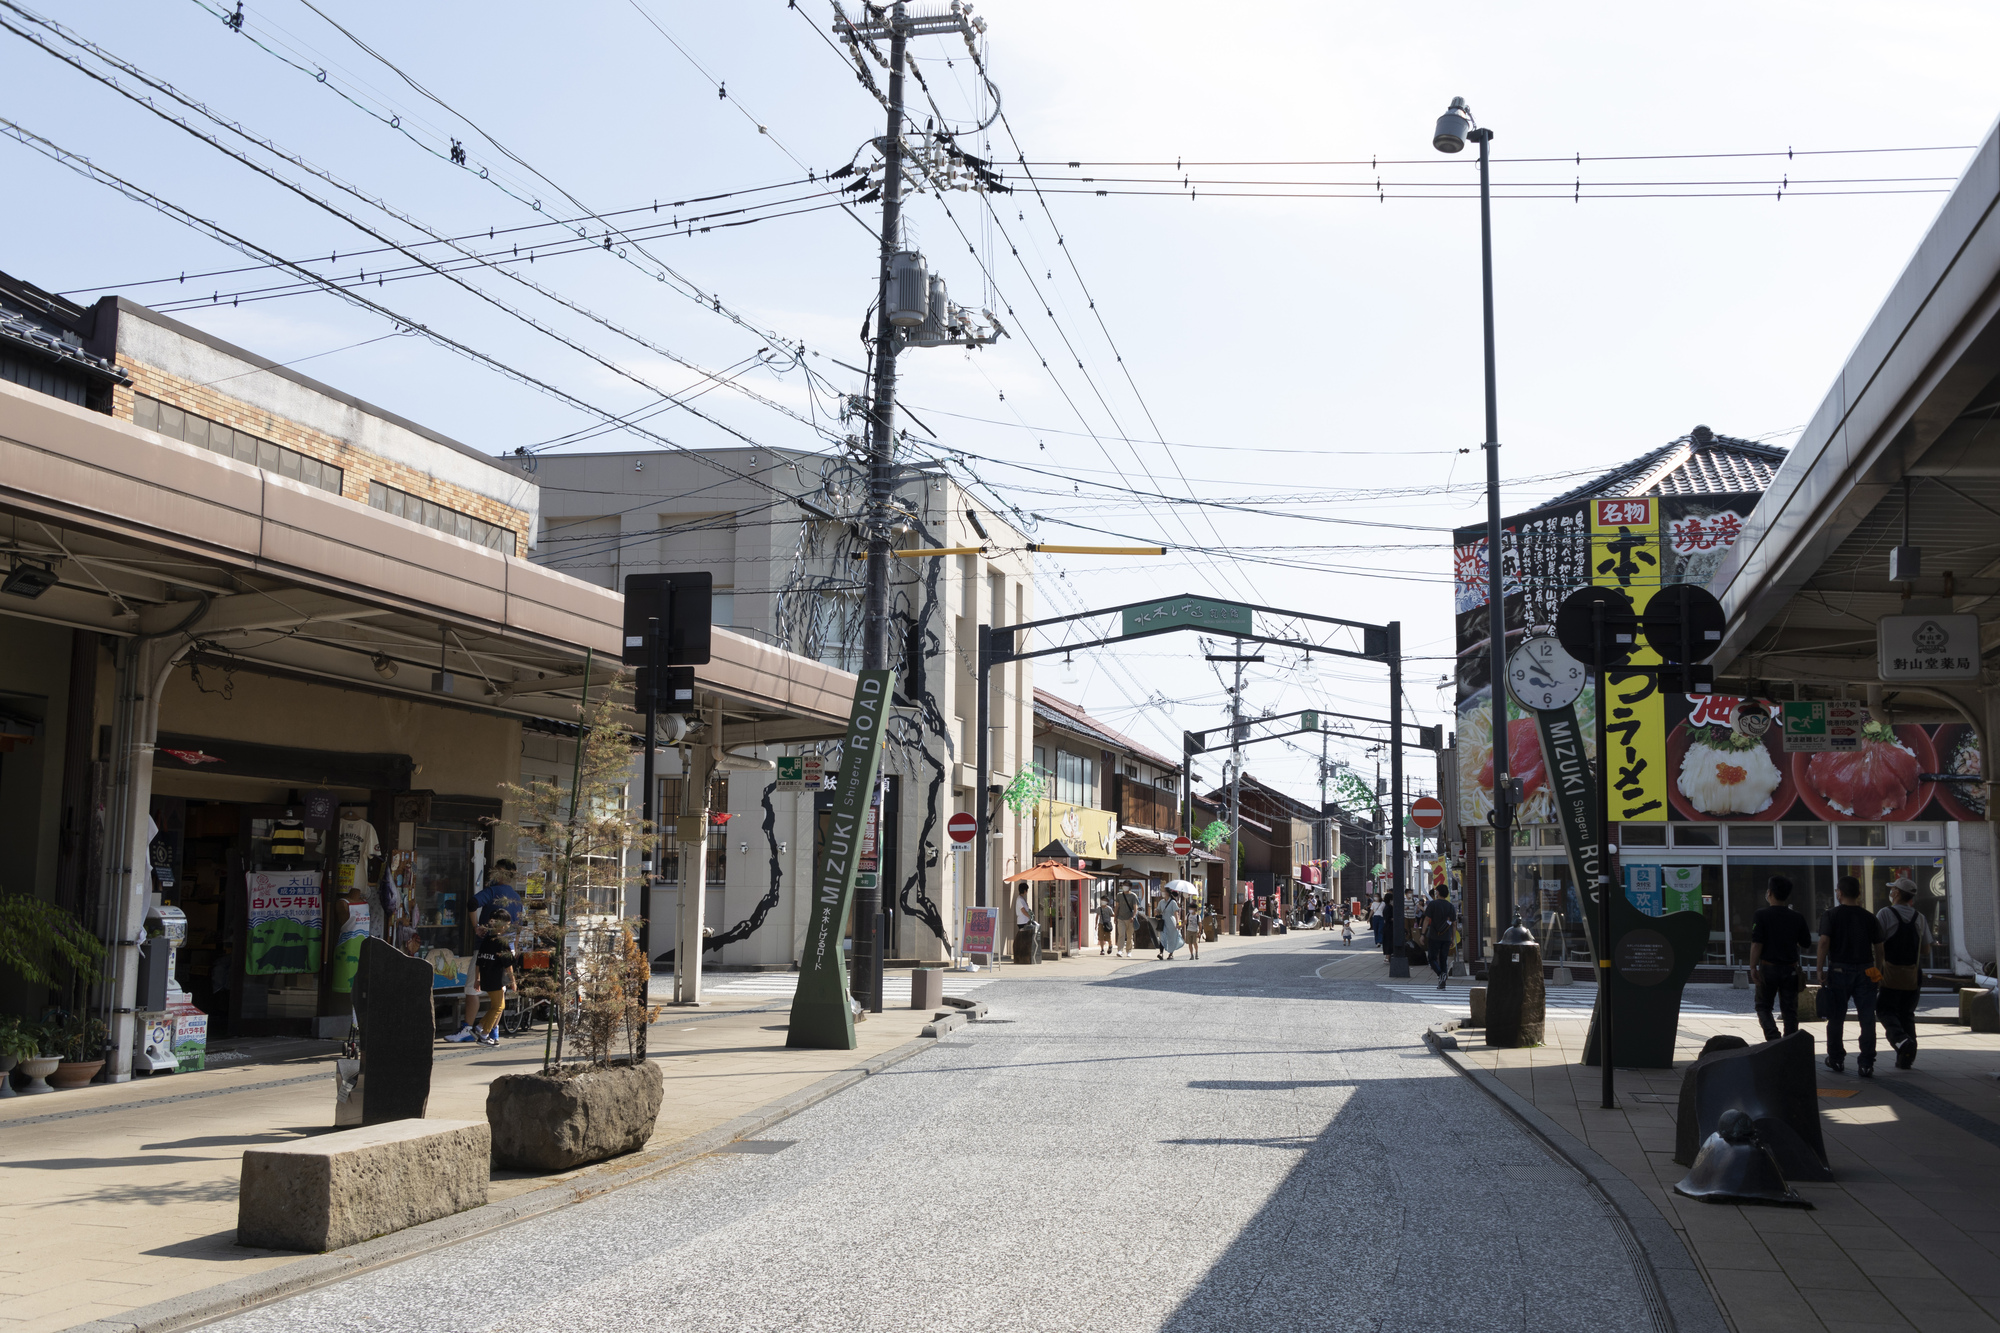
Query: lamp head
x=1452 y=127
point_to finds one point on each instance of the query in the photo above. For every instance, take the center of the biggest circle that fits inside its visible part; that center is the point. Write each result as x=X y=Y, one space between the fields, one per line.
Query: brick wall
x=359 y=467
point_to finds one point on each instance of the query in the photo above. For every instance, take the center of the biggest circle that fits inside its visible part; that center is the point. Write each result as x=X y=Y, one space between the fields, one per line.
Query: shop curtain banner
x=285 y=922
x=347 y=946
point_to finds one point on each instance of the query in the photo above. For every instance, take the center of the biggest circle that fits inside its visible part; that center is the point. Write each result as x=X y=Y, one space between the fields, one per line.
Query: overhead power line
x=456 y=156
x=489 y=233
x=1179 y=164
x=200 y=109
x=84 y=167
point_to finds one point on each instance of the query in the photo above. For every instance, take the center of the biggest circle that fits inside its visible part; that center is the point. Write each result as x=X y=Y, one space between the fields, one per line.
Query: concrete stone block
x=1979 y=1009
x=926 y=987
x=336 y=1190
x=1478 y=1019
x=545 y=1122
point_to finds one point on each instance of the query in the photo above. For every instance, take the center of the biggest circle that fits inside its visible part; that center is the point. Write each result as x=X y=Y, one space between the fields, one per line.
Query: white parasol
x=1183 y=888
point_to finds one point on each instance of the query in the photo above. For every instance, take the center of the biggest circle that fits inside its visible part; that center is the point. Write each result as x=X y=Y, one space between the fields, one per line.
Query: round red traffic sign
x=1427 y=812
x=962 y=827
x=1183 y=845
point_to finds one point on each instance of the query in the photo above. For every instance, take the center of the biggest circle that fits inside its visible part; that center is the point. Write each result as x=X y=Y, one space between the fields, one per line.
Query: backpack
x=1902 y=946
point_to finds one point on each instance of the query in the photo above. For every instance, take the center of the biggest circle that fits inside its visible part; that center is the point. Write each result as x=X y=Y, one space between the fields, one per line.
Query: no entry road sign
x=962 y=827
x=1427 y=812
x=1183 y=845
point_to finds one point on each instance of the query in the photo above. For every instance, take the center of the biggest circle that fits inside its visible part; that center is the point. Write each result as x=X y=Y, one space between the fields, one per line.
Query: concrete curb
x=942 y=1022
x=1678 y=1291
x=210 y=1303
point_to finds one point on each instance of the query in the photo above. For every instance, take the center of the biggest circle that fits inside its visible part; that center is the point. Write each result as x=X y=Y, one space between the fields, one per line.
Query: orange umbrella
x=1049 y=870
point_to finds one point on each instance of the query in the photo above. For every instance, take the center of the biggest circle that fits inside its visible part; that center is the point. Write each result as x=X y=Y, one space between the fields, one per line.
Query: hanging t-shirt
x=288 y=839
x=358 y=846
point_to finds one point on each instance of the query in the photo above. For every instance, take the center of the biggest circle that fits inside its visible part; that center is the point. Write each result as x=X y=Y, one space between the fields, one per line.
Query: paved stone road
x=1235 y=1144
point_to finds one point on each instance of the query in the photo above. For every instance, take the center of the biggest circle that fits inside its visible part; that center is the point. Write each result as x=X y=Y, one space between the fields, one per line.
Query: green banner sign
x=1190 y=613
x=821 y=1016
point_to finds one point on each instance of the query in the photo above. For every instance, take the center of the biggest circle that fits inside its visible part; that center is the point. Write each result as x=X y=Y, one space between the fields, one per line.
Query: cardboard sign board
x=981 y=924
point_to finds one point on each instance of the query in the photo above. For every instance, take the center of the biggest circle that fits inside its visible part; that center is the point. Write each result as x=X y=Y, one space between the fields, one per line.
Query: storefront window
x=1863 y=835
x=1803 y=835
x=1752 y=835
x=1643 y=835
x=1697 y=835
x=1750 y=878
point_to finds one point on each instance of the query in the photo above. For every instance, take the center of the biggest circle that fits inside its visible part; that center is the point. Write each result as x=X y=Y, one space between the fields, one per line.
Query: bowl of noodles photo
x=1717 y=774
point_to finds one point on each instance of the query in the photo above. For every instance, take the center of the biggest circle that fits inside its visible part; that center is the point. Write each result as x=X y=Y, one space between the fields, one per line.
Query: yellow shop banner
x=1625 y=554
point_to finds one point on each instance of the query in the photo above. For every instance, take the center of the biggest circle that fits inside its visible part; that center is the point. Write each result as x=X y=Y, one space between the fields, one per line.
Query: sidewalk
x=121 y=1196
x=1904 y=1239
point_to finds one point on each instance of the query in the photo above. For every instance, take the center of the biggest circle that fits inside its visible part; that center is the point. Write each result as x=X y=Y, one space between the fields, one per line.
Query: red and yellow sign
x=1625 y=553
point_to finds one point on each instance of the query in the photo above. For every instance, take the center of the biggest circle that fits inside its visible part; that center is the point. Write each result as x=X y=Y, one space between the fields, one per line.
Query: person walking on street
x=494 y=962
x=1375 y=920
x=1104 y=924
x=1850 y=969
x=1906 y=936
x=1171 y=942
x=1440 y=918
x=1124 y=907
x=1776 y=935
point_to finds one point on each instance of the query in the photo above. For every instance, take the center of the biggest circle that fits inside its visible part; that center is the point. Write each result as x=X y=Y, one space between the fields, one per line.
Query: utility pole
x=1235 y=771
x=881 y=478
x=920 y=316
x=1236 y=780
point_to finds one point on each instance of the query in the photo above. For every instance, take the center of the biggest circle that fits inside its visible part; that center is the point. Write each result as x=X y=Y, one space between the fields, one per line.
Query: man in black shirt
x=1439 y=918
x=1776 y=933
x=1850 y=968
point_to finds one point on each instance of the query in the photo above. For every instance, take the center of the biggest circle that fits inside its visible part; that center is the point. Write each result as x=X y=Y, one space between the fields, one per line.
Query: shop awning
x=149 y=536
x=1909 y=420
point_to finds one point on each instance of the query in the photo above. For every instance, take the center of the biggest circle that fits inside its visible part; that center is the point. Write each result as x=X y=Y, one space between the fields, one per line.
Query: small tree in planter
x=596 y=1096
x=38 y=938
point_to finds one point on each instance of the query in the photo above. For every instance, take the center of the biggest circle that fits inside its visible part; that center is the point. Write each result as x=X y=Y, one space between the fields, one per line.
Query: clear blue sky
x=1284 y=348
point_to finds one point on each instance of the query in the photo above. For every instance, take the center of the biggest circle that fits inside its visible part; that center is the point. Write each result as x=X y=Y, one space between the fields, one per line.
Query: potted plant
x=18 y=1042
x=37 y=940
x=35 y=1066
x=79 y=1040
x=596 y=1095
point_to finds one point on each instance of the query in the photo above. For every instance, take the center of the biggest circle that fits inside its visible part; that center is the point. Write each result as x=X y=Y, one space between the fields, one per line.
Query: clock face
x=1543 y=676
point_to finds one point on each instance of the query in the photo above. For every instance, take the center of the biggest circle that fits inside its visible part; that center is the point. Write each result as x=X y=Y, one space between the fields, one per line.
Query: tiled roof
x=1066 y=714
x=1138 y=844
x=1699 y=463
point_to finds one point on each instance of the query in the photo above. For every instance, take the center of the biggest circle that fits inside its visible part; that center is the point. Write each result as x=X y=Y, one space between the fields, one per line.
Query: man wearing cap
x=1905 y=936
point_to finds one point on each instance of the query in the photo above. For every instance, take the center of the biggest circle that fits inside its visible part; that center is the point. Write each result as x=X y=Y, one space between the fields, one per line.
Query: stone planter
x=74 y=1074
x=7 y=1076
x=37 y=1071
x=557 y=1122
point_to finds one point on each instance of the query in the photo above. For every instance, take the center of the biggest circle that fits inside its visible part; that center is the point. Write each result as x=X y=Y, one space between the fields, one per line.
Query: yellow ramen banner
x=1625 y=553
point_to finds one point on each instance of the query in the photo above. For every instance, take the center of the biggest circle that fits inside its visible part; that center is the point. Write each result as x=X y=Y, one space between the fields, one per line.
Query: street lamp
x=1454 y=129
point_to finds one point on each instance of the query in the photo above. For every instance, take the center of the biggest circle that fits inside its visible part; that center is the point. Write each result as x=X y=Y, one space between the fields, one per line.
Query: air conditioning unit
x=1917 y=837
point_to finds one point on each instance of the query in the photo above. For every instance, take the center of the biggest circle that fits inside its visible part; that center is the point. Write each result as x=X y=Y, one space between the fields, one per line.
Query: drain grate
x=760 y=1147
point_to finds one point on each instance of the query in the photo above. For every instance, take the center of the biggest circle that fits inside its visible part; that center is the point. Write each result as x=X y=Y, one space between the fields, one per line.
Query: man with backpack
x=1905 y=935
